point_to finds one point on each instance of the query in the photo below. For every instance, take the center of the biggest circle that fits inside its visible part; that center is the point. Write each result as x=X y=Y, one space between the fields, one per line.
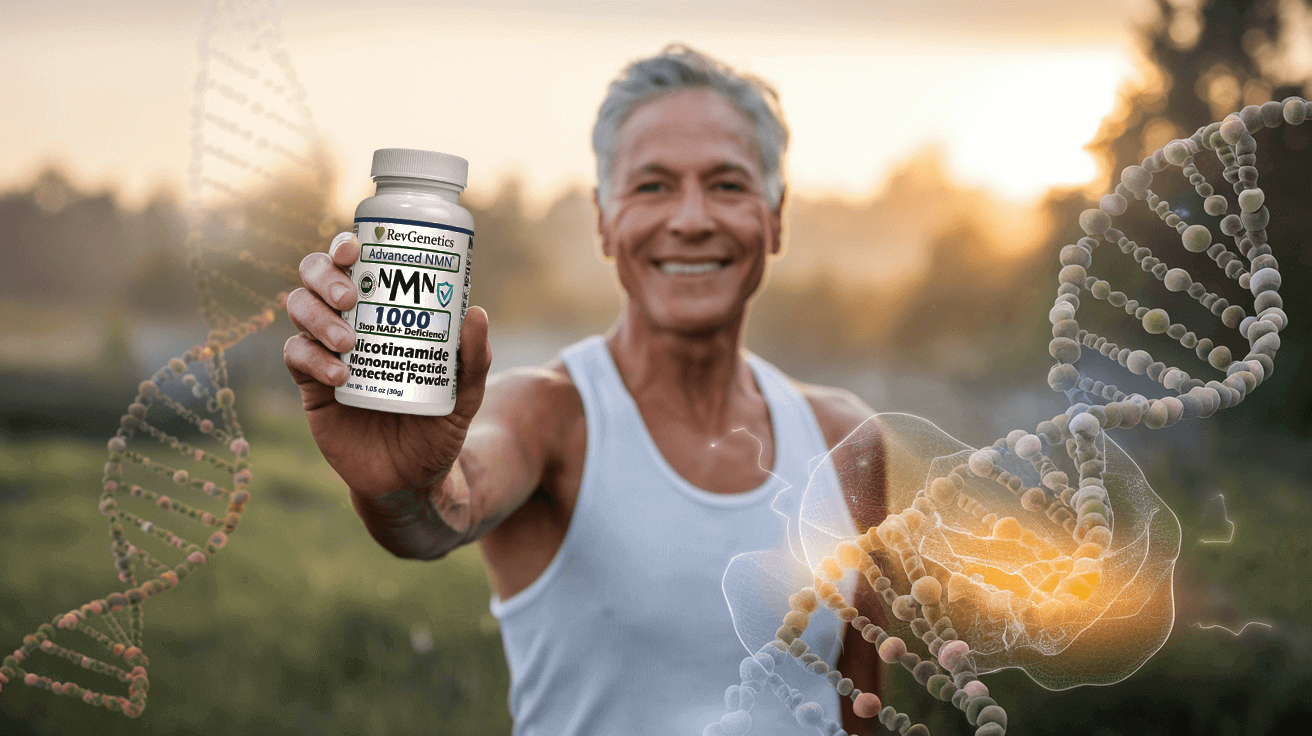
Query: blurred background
x=940 y=155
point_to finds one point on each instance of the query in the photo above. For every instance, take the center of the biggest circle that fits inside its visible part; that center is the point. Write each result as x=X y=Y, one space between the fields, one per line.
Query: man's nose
x=691 y=218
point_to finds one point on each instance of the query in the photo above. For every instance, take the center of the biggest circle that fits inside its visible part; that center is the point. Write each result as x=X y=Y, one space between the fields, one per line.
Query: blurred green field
x=301 y=625
x=304 y=625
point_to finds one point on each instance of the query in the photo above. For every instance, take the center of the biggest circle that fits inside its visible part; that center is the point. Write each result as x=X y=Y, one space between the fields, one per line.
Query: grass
x=304 y=625
x=301 y=625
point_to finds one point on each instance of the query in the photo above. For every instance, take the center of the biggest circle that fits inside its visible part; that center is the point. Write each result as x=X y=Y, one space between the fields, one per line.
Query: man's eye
x=730 y=186
x=651 y=186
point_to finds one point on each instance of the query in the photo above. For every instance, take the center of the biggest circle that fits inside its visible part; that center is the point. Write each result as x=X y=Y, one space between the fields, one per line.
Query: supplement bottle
x=412 y=283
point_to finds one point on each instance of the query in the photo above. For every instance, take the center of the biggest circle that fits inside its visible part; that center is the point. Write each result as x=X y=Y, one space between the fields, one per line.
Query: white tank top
x=627 y=630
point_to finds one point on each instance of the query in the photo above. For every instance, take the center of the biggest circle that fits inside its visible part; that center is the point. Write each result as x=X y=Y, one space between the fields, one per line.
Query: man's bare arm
x=503 y=459
x=839 y=413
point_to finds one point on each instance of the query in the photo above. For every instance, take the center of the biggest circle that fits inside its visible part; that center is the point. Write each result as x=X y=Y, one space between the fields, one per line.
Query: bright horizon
x=1009 y=91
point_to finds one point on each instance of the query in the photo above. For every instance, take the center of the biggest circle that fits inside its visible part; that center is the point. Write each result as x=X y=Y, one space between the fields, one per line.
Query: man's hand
x=378 y=452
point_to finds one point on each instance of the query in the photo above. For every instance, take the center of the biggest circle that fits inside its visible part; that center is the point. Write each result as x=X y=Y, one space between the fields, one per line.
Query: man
x=607 y=489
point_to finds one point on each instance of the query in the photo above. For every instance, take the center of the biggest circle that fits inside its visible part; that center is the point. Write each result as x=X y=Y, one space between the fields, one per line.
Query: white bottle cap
x=420 y=165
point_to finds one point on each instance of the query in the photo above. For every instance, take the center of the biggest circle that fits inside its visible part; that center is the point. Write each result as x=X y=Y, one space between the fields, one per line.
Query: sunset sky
x=1010 y=90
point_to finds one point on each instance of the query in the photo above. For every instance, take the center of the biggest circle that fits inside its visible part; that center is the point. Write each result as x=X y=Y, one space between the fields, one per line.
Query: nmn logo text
x=396 y=282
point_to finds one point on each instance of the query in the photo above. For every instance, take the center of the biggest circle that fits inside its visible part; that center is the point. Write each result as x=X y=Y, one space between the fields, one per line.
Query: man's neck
x=697 y=377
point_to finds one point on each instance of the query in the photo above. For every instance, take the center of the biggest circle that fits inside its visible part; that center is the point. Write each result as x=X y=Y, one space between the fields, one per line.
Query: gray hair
x=678 y=68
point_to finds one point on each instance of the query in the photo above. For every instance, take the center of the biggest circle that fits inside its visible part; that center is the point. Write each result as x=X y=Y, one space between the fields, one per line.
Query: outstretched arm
x=501 y=463
x=422 y=485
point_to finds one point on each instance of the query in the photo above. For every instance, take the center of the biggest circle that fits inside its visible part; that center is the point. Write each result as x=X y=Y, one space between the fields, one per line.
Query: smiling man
x=608 y=490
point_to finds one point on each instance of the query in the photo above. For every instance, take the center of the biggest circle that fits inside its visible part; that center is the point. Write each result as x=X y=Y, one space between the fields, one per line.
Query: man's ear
x=607 y=250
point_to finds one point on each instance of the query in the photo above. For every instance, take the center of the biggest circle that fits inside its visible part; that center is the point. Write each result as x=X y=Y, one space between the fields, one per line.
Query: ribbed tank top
x=627 y=630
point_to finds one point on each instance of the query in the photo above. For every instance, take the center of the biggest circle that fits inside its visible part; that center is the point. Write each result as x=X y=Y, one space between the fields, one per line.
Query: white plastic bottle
x=412 y=281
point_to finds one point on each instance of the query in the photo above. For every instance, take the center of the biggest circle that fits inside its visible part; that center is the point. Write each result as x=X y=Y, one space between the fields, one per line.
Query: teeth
x=689 y=268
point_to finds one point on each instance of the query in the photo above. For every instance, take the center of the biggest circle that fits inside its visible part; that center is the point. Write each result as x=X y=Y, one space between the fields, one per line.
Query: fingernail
x=338 y=241
x=337 y=373
x=313 y=267
x=340 y=336
x=337 y=291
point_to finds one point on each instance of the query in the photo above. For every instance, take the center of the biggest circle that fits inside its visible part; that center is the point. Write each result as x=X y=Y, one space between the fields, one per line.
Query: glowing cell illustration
x=1046 y=551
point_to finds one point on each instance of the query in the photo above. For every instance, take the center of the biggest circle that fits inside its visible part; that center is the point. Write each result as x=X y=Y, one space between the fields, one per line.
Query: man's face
x=688 y=222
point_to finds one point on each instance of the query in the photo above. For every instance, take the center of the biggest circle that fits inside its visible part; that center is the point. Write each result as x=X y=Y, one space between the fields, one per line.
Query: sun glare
x=1030 y=121
x=1012 y=119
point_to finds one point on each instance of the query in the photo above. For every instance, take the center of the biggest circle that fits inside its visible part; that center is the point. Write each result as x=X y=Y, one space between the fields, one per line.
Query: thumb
x=473 y=360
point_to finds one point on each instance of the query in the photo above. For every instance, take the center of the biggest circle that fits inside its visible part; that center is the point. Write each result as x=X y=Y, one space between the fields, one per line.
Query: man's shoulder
x=837 y=411
x=542 y=390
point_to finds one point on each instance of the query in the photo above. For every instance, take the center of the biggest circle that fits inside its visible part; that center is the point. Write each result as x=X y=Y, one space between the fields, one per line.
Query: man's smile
x=690 y=268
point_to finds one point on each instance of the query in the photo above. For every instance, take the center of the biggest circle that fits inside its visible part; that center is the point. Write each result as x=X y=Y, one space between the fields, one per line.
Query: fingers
x=314 y=310
x=310 y=315
x=310 y=362
x=475 y=358
x=345 y=250
x=323 y=275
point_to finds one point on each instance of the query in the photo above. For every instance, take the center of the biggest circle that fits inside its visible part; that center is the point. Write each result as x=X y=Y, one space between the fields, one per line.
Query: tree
x=1205 y=59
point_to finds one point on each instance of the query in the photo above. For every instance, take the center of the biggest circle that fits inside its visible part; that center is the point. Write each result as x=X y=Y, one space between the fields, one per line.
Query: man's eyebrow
x=655 y=169
x=720 y=168
x=726 y=168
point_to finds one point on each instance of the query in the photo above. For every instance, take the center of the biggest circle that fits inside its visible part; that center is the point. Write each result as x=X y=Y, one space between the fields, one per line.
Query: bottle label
x=412 y=284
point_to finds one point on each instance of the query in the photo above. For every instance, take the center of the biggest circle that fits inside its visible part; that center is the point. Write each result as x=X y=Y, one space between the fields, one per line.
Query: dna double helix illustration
x=1046 y=551
x=178 y=473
